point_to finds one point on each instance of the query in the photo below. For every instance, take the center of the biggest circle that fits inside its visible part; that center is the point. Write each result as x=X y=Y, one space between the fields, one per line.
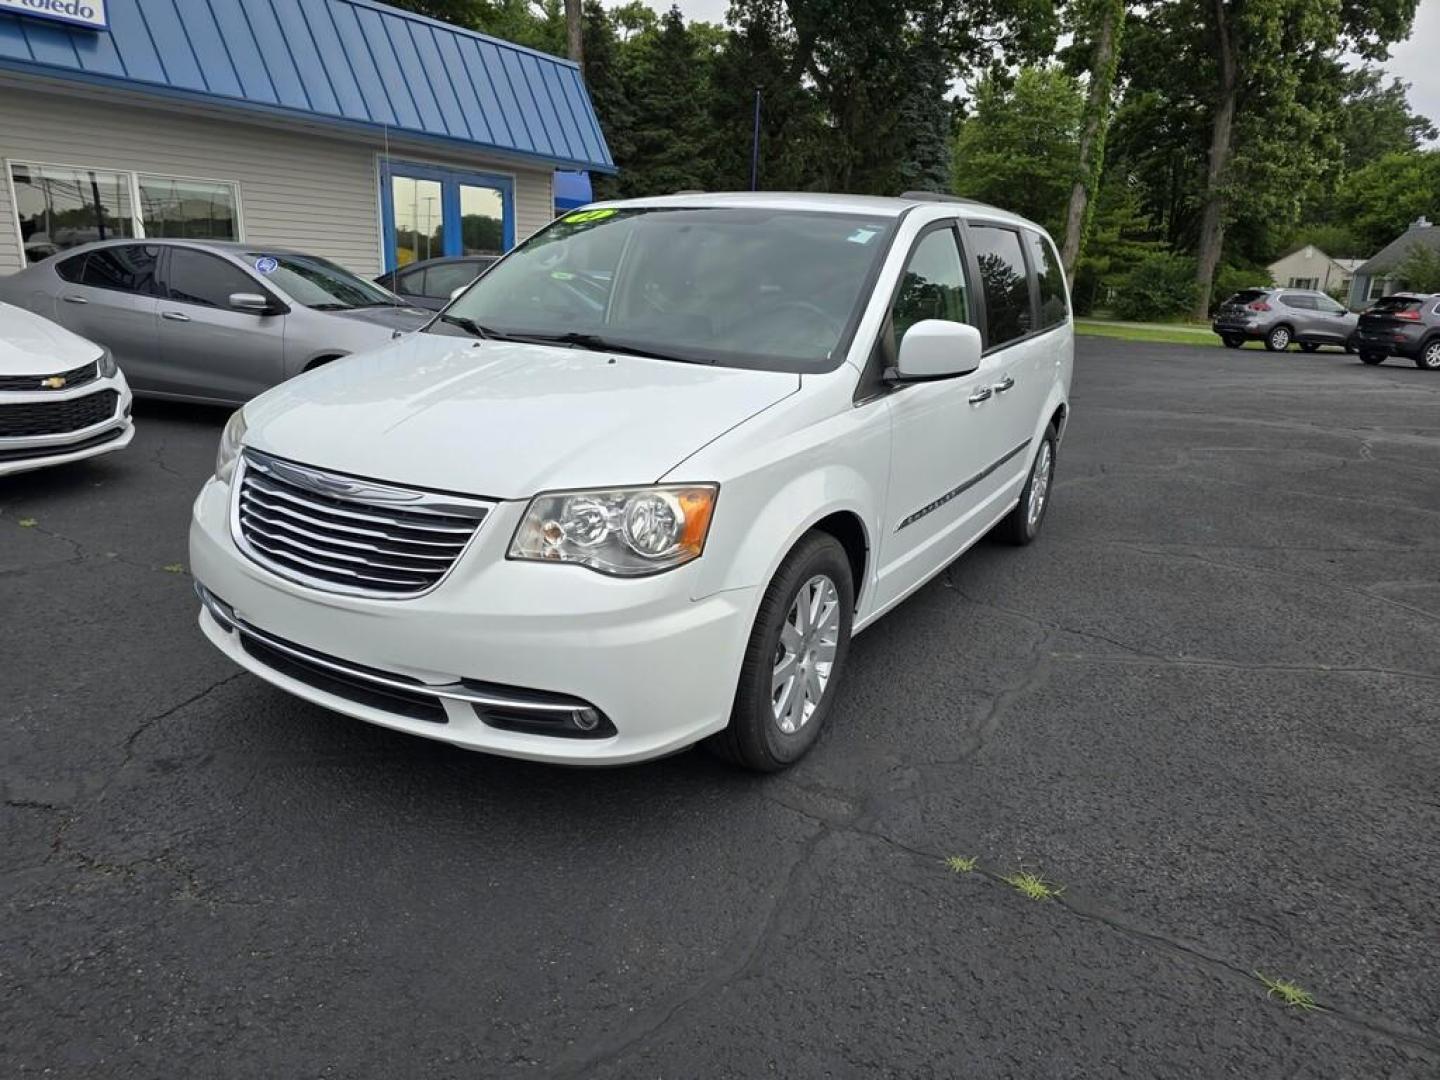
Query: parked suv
x=209 y=321
x=1279 y=316
x=640 y=483
x=1406 y=324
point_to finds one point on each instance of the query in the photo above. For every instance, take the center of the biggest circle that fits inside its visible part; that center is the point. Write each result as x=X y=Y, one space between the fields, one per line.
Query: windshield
x=318 y=283
x=773 y=289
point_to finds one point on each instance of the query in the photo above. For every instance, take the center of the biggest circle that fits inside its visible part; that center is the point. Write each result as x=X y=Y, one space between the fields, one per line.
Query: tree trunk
x=1212 y=222
x=1092 y=132
x=574 y=31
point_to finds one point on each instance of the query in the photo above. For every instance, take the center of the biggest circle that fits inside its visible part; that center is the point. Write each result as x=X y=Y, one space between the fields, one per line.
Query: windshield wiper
x=597 y=343
x=471 y=327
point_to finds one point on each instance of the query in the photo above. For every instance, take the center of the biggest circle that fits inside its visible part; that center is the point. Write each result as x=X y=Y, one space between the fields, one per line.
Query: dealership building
x=344 y=128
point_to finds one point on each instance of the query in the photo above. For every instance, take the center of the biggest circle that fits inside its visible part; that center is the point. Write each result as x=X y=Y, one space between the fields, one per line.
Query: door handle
x=1004 y=384
x=75 y=300
x=175 y=316
x=983 y=394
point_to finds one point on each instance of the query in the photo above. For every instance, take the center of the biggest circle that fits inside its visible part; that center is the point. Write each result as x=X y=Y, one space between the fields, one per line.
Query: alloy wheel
x=1431 y=357
x=1040 y=484
x=1280 y=338
x=805 y=654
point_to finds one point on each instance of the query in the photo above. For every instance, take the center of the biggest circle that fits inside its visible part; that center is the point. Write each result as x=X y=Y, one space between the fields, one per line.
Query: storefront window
x=61 y=208
x=187 y=209
x=482 y=221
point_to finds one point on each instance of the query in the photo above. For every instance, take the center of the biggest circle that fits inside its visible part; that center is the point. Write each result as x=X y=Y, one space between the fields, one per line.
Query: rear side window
x=125 y=268
x=1003 y=281
x=1389 y=305
x=197 y=278
x=71 y=269
x=1051 y=278
x=444 y=279
x=1298 y=301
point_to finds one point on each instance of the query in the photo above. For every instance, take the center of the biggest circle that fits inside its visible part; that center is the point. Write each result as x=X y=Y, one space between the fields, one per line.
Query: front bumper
x=658 y=666
x=115 y=432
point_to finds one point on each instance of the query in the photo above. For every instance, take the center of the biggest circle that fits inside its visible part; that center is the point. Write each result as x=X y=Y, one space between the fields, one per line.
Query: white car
x=61 y=397
x=638 y=485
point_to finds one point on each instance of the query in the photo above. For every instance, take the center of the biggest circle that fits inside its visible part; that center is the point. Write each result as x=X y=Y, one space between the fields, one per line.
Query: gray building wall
x=314 y=189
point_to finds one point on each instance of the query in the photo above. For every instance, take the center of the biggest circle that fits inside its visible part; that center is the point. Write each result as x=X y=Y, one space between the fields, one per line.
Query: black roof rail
x=935 y=196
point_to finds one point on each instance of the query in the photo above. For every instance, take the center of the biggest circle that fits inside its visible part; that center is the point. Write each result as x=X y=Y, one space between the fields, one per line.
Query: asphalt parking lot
x=1205 y=704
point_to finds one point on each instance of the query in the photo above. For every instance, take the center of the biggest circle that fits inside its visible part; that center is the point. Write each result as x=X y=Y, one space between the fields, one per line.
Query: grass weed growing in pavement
x=1033 y=885
x=1293 y=995
x=961 y=864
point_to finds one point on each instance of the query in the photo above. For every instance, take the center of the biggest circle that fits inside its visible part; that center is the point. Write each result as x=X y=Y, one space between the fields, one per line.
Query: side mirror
x=254 y=303
x=936 y=349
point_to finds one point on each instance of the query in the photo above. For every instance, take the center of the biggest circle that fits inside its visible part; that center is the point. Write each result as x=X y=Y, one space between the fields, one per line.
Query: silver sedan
x=207 y=321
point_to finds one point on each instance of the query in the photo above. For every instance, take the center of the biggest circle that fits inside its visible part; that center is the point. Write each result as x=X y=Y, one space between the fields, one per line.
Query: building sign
x=87 y=13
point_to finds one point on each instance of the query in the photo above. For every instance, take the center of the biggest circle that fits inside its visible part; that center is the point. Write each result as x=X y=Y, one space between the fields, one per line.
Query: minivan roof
x=875 y=205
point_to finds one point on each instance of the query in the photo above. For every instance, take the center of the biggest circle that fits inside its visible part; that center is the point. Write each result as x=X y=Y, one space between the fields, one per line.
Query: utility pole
x=755 y=146
x=573 y=28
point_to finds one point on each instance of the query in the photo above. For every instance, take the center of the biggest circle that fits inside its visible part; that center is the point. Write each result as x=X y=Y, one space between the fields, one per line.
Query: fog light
x=585 y=719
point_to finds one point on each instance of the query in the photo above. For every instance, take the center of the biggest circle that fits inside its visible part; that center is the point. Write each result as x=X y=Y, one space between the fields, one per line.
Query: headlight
x=230 y=440
x=626 y=531
x=108 y=367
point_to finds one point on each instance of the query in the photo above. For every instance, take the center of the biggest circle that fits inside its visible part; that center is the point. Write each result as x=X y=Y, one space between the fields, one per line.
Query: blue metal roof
x=355 y=62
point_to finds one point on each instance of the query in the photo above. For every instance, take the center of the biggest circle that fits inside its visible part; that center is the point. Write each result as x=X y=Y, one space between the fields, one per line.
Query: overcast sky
x=1416 y=61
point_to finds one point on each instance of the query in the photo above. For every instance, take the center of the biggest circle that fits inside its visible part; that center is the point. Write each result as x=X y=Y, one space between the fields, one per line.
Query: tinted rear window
x=1052 y=280
x=1004 y=282
x=1246 y=296
x=127 y=268
x=1388 y=305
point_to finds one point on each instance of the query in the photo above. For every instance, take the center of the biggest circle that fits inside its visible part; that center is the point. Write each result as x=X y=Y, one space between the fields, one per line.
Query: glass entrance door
x=431 y=211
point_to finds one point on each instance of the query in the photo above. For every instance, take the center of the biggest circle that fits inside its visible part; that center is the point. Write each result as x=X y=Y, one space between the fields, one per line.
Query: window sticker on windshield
x=562 y=275
x=589 y=215
x=266 y=264
x=861 y=236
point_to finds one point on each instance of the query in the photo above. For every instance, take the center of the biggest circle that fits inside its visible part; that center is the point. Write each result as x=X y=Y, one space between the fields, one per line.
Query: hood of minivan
x=505 y=420
x=33 y=345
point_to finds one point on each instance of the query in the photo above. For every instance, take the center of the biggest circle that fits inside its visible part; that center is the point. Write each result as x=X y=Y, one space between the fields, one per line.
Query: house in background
x=1310 y=268
x=1377 y=276
x=345 y=128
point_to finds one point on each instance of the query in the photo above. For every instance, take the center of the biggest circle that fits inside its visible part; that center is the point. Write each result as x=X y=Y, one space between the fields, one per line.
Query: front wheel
x=794 y=659
x=1022 y=524
x=1429 y=358
x=1278 y=340
x=1372 y=358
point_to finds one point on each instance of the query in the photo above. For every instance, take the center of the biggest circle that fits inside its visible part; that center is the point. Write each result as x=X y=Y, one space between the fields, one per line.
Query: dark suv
x=1406 y=324
x=1279 y=316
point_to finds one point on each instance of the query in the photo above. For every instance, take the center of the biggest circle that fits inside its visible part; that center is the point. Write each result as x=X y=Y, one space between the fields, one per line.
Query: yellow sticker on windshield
x=589 y=215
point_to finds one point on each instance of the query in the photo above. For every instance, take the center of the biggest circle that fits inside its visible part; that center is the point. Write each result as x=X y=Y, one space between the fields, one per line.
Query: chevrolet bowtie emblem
x=55 y=382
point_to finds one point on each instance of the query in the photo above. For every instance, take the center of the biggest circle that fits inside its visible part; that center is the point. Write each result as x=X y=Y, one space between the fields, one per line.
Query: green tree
x=1380 y=200
x=669 y=75
x=1099 y=26
x=1420 y=269
x=1020 y=147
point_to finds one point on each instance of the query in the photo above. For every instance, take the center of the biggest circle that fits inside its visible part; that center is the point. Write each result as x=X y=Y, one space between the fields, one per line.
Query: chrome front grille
x=64 y=380
x=346 y=534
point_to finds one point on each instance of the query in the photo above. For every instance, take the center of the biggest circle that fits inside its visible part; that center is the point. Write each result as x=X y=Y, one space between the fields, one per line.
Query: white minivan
x=639 y=485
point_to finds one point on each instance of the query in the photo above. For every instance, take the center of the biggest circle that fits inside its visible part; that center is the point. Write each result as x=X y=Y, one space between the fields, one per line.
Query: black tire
x=1306 y=346
x=1278 y=339
x=1372 y=358
x=754 y=738
x=1233 y=342
x=1017 y=527
x=1429 y=356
